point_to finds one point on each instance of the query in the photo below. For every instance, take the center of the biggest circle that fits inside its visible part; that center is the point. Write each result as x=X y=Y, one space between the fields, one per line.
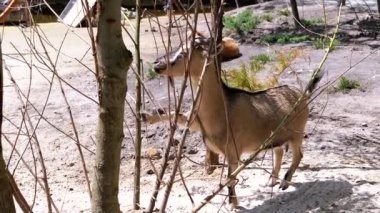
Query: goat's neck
x=211 y=101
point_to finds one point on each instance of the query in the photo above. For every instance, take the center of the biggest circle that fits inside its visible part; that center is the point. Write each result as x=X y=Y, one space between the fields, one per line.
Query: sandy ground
x=339 y=172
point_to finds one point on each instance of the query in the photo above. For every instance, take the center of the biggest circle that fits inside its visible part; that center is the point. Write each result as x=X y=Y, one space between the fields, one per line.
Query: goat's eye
x=183 y=54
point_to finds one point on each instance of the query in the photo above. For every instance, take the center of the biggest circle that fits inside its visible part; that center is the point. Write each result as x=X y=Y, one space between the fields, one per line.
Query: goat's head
x=175 y=66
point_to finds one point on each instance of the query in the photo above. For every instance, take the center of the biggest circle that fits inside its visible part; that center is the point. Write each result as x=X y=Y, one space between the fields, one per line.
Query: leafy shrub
x=323 y=42
x=346 y=84
x=243 y=22
x=151 y=74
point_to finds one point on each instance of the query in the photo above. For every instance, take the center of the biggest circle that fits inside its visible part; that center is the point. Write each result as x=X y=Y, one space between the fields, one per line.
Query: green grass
x=346 y=84
x=285 y=38
x=242 y=78
x=243 y=22
x=263 y=58
x=289 y=38
x=285 y=58
x=284 y=12
x=258 y=61
x=322 y=43
x=311 y=22
x=247 y=77
x=267 y=17
x=151 y=74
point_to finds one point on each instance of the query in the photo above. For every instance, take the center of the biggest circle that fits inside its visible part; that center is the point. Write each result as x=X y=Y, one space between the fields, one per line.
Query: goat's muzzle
x=159 y=66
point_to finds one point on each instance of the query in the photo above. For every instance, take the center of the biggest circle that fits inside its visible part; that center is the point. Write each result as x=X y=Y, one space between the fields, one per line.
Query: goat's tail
x=314 y=81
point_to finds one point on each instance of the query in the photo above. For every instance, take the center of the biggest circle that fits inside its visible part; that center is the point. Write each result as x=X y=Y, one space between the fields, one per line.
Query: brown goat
x=234 y=121
x=229 y=51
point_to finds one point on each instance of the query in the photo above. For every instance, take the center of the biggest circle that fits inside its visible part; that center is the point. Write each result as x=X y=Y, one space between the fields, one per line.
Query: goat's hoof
x=284 y=184
x=144 y=116
x=210 y=170
x=233 y=204
x=272 y=184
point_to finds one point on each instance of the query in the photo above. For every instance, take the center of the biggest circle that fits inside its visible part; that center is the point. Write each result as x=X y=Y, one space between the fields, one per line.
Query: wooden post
x=296 y=17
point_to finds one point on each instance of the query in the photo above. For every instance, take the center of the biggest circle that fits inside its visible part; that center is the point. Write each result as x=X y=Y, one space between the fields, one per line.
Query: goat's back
x=255 y=115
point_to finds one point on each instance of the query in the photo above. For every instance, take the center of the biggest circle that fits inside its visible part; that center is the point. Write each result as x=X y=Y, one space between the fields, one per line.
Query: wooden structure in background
x=75 y=12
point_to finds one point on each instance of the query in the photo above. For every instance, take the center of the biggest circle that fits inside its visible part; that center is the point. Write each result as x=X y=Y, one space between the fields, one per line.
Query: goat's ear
x=201 y=42
x=197 y=34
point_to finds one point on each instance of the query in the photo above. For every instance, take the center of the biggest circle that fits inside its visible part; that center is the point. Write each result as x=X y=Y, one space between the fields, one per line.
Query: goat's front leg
x=212 y=159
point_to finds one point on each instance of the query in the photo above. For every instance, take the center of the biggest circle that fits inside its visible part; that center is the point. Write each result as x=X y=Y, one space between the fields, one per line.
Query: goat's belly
x=250 y=143
x=253 y=148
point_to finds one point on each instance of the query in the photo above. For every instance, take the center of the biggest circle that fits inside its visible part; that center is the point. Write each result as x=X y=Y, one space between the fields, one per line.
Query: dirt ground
x=339 y=172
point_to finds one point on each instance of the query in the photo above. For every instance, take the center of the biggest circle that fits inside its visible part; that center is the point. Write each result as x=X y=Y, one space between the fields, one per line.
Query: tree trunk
x=114 y=60
x=6 y=200
x=378 y=6
x=296 y=17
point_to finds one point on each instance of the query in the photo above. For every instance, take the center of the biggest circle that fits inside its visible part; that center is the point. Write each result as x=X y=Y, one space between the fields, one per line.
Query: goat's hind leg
x=278 y=154
x=233 y=162
x=296 y=146
x=232 y=198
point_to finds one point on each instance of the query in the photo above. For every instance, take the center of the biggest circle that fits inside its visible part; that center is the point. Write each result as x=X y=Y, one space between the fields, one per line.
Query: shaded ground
x=340 y=170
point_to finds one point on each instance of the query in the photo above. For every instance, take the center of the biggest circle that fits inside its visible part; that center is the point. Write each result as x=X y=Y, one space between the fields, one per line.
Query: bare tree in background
x=114 y=60
x=6 y=200
x=138 y=138
x=296 y=17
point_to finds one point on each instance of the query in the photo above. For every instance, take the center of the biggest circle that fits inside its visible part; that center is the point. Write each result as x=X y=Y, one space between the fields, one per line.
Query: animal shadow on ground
x=308 y=196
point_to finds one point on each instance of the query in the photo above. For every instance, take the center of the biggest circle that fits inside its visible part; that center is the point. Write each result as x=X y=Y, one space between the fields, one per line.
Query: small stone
x=175 y=142
x=364 y=125
x=304 y=167
x=153 y=154
x=360 y=181
x=150 y=172
x=150 y=134
x=172 y=156
x=191 y=151
x=71 y=164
